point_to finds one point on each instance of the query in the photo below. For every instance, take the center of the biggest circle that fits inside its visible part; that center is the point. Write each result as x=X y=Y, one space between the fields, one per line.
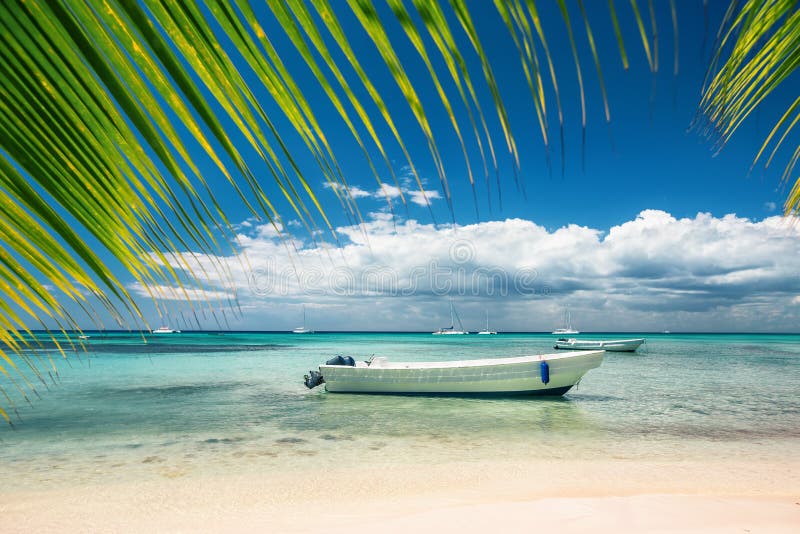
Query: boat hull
x=612 y=345
x=498 y=377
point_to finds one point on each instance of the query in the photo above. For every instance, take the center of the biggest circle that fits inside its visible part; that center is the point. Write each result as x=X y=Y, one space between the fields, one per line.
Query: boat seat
x=378 y=361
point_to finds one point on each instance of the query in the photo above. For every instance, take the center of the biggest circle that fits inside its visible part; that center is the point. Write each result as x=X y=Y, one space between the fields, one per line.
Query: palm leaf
x=416 y=40
x=370 y=21
x=764 y=43
x=308 y=26
x=514 y=18
x=537 y=24
x=465 y=20
x=333 y=26
x=565 y=15
x=436 y=23
x=618 y=34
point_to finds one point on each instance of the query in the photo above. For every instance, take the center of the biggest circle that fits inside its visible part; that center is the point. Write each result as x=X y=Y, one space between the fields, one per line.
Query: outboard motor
x=313 y=379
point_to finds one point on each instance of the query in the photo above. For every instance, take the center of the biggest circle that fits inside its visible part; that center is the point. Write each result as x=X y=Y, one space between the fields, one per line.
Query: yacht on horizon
x=303 y=329
x=165 y=330
x=486 y=331
x=451 y=330
x=567 y=330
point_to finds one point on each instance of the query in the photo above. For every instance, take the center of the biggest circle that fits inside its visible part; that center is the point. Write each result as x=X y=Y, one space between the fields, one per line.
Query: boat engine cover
x=341 y=360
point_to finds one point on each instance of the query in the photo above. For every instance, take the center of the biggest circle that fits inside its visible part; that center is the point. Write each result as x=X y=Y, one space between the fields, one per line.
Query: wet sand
x=515 y=496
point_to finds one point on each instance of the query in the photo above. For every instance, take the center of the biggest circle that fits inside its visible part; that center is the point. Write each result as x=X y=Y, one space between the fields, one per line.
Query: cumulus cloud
x=652 y=273
x=180 y=294
x=354 y=190
x=421 y=197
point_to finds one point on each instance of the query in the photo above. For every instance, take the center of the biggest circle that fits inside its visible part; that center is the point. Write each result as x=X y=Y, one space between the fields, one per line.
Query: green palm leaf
x=764 y=42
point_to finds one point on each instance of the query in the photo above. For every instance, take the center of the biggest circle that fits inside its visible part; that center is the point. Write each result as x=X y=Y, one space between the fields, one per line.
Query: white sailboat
x=303 y=329
x=567 y=326
x=486 y=331
x=451 y=330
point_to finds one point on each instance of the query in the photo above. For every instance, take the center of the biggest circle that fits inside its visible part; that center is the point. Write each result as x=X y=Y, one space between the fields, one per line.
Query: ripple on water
x=332 y=437
x=291 y=441
x=225 y=441
x=170 y=348
x=168 y=391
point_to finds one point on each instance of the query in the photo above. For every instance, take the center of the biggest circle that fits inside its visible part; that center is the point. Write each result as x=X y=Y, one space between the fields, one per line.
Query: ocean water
x=137 y=408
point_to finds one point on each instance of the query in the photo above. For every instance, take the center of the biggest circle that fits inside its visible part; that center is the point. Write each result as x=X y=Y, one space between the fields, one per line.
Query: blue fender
x=544 y=370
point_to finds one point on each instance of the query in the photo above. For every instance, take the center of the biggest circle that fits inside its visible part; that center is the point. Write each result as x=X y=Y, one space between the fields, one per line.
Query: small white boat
x=303 y=329
x=486 y=331
x=614 y=345
x=544 y=374
x=165 y=330
x=451 y=330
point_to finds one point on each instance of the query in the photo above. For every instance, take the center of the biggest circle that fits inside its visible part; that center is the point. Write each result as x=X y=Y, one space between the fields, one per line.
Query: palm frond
x=758 y=50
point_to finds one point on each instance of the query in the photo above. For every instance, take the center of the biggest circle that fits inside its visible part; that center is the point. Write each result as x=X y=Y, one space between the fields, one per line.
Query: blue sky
x=654 y=162
x=654 y=232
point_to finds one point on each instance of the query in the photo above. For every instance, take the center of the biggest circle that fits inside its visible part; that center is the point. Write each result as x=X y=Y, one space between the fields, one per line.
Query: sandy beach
x=571 y=496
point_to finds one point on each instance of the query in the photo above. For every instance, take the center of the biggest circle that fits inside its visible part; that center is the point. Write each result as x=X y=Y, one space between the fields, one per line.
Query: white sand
x=571 y=496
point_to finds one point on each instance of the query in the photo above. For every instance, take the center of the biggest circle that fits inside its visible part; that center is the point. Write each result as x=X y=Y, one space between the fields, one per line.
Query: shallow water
x=197 y=403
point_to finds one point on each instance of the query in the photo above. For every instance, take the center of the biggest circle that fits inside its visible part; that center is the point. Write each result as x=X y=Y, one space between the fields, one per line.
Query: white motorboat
x=451 y=330
x=615 y=345
x=544 y=374
x=303 y=329
x=486 y=331
x=567 y=330
x=165 y=330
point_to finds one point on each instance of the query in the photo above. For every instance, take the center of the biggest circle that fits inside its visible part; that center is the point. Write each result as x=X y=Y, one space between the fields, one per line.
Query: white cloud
x=655 y=272
x=392 y=192
x=419 y=197
x=354 y=190
x=770 y=206
x=180 y=294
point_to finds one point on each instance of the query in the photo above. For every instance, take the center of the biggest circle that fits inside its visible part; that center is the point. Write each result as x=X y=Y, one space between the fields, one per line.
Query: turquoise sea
x=143 y=406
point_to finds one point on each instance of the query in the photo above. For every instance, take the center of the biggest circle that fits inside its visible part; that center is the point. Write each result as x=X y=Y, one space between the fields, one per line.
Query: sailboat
x=486 y=330
x=567 y=326
x=303 y=329
x=451 y=330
